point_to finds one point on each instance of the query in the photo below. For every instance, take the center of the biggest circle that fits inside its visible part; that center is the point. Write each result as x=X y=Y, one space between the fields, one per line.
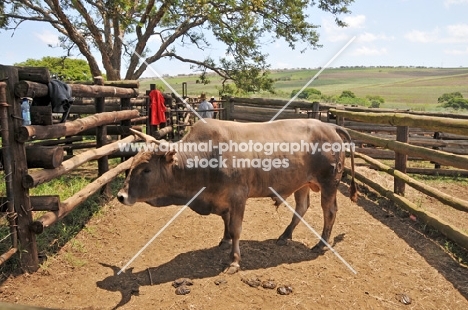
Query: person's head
x=203 y=97
x=212 y=99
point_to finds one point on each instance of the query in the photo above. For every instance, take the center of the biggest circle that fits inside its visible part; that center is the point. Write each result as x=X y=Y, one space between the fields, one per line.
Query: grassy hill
x=416 y=88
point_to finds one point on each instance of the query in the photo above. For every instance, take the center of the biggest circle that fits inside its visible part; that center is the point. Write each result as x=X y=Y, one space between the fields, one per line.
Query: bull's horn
x=147 y=138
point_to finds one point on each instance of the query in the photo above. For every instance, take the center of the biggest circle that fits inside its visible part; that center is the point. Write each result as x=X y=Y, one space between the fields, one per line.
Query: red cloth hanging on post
x=158 y=108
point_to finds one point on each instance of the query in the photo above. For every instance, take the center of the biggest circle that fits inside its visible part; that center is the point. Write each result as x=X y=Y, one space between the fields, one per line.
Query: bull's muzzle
x=122 y=196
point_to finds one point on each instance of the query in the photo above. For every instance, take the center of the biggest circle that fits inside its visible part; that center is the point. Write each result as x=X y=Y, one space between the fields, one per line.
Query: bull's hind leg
x=235 y=228
x=226 y=242
x=329 y=207
x=302 y=204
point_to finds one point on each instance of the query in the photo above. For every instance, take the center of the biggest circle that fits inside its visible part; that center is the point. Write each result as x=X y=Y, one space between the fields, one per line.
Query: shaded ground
x=391 y=257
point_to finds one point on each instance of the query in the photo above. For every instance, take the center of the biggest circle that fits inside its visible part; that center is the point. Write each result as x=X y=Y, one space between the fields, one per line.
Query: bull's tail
x=343 y=133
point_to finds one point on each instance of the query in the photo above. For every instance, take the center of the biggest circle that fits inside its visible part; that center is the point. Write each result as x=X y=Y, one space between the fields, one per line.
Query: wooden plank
x=34 y=74
x=455 y=126
x=69 y=204
x=449 y=200
x=38 y=177
x=437 y=172
x=48 y=157
x=33 y=89
x=91 y=110
x=41 y=115
x=274 y=102
x=72 y=128
x=448 y=230
x=444 y=158
x=39 y=203
x=3 y=258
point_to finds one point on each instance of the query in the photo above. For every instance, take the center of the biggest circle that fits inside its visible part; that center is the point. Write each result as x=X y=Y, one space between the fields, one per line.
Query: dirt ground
x=392 y=258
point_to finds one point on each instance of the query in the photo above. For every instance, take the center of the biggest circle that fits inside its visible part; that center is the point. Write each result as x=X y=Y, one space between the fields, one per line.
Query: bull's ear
x=171 y=157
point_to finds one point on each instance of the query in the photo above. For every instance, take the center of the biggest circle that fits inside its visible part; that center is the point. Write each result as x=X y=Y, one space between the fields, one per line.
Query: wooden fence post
x=400 y=160
x=228 y=109
x=316 y=110
x=101 y=139
x=27 y=239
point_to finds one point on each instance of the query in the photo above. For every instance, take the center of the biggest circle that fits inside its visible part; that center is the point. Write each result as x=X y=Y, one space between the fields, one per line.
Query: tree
x=120 y=30
x=453 y=100
x=62 y=68
x=448 y=96
x=307 y=93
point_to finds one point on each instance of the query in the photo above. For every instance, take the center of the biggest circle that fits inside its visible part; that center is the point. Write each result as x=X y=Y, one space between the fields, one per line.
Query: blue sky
x=432 y=33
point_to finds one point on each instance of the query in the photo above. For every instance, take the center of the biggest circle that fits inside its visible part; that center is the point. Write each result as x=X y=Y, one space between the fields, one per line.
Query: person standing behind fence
x=215 y=106
x=205 y=109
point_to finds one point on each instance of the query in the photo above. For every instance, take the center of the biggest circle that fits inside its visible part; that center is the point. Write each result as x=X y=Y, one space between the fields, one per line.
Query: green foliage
x=375 y=101
x=453 y=100
x=449 y=96
x=456 y=103
x=347 y=94
x=66 y=69
x=119 y=31
x=308 y=93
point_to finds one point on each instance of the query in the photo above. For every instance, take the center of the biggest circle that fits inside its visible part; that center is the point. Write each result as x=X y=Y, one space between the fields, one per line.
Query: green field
x=415 y=88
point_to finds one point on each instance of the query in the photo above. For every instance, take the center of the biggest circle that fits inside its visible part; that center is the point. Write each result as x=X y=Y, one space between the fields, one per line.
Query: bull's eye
x=146 y=170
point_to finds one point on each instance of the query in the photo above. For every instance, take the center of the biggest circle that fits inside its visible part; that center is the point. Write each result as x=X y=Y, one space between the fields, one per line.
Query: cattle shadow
x=415 y=235
x=206 y=263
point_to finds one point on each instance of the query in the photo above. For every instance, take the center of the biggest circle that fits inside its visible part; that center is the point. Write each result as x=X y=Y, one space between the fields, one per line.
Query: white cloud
x=370 y=37
x=448 y=3
x=334 y=33
x=357 y=21
x=457 y=33
x=423 y=36
x=456 y=52
x=369 y=51
x=48 y=37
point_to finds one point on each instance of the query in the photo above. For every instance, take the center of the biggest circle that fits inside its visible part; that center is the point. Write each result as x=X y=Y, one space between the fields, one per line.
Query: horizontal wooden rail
x=448 y=230
x=38 y=203
x=70 y=203
x=443 y=158
x=34 y=89
x=35 y=178
x=72 y=128
x=273 y=102
x=443 y=124
x=449 y=200
x=7 y=255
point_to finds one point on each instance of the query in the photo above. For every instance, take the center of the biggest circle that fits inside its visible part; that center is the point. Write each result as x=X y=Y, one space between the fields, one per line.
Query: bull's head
x=148 y=173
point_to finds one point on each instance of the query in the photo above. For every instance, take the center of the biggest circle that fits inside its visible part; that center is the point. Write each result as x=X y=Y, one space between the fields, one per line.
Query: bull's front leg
x=226 y=242
x=235 y=229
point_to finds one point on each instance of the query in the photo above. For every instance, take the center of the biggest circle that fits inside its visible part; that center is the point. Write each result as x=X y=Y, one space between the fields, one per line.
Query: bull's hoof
x=225 y=244
x=319 y=248
x=282 y=241
x=232 y=269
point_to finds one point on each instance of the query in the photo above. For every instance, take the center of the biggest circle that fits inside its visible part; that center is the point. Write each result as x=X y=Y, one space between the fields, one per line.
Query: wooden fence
x=100 y=109
x=379 y=133
x=42 y=145
x=441 y=138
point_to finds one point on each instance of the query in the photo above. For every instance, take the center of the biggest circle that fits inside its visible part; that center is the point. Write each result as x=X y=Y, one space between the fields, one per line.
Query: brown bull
x=237 y=161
